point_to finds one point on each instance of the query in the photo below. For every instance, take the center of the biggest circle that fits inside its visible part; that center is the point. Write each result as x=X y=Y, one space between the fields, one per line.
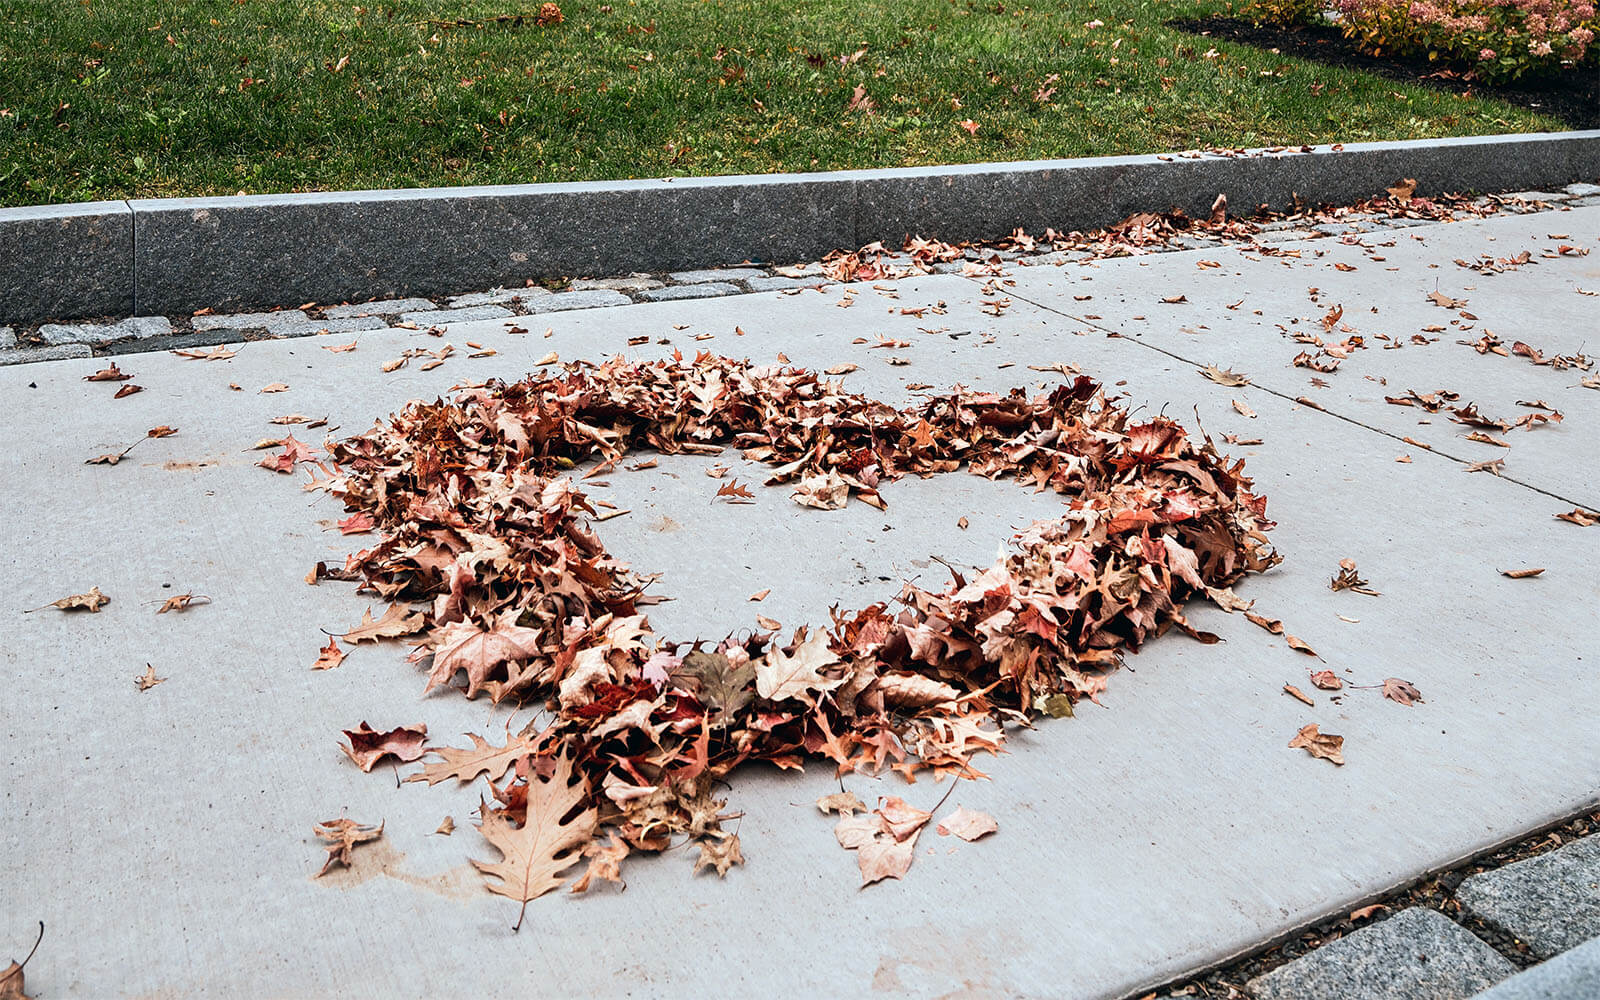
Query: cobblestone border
x=53 y=341
x=172 y=256
x=1240 y=978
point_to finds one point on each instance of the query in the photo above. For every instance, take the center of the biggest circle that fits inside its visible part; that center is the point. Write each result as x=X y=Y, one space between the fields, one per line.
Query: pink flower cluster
x=1502 y=39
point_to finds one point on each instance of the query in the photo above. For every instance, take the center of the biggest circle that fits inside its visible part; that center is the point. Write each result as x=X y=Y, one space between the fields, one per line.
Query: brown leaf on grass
x=1272 y=625
x=481 y=758
x=1324 y=745
x=394 y=623
x=1327 y=680
x=127 y=389
x=331 y=656
x=148 y=679
x=1522 y=574
x=1401 y=691
x=343 y=836
x=720 y=850
x=843 y=803
x=368 y=746
x=1224 y=376
x=1581 y=517
x=534 y=855
x=967 y=824
x=181 y=602
x=1294 y=692
x=970 y=126
x=1299 y=645
x=92 y=600
x=859 y=101
x=111 y=374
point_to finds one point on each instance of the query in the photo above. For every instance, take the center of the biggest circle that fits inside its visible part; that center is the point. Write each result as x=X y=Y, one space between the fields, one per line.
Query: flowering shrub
x=1499 y=40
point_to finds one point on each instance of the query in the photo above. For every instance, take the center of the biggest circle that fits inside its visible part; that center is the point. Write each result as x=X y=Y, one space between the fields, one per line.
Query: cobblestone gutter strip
x=1445 y=937
x=53 y=341
x=166 y=257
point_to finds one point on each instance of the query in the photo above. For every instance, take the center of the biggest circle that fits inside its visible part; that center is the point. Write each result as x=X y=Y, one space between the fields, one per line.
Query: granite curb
x=234 y=254
x=49 y=341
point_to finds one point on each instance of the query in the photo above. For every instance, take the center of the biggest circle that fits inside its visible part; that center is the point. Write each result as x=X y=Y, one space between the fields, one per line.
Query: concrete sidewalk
x=165 y=836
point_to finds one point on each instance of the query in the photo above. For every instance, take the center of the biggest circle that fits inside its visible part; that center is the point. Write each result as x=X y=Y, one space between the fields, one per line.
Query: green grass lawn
x=150 y=98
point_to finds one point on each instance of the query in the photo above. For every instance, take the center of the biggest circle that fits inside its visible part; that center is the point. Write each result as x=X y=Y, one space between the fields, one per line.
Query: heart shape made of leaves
x=479 y=516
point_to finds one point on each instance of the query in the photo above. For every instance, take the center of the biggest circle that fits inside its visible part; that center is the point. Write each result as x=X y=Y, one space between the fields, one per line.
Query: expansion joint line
x=1285 y=396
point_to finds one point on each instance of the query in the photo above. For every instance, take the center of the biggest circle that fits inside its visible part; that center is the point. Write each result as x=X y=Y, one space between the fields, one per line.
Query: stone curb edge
x=174 y=256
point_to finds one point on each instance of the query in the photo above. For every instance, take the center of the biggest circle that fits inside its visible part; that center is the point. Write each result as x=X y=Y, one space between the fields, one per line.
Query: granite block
x=1550 y=902
x=104 y=333
x=705 y=290
x=66 y=261
x=1417 y=954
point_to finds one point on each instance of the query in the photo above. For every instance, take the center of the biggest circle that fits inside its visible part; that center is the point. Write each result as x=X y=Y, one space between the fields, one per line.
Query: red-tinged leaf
x=356 y=523
x=368 y=746
x=1327 y=680
x=109 y=374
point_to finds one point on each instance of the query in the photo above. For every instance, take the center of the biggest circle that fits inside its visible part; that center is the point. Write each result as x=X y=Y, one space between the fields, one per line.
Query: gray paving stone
x=1334 y=228
x=8 y=338
x=1283 y=236
x=30 y=354
x=576 y=300
x=735 y=273
x=1537 y=195
x=386 y=307
x=498 y=296
x=103 y=333
x=1550 y=902
x=434 y=317
x=705 y=290
x=1582 y=190
x=1195 y=242
x=271 y=321
x=347 y=325
x=1571 y=975
x=1593 y=199
x=1278 y=224
x=631 y=283
x=779 y=284
x=1417 y=954
x=1398 y=223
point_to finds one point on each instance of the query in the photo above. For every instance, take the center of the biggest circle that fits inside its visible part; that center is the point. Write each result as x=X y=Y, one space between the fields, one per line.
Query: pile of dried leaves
x=480 y=518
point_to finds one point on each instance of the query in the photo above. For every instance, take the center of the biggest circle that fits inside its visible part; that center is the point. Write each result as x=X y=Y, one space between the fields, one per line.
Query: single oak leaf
x=1223 y=376
x=1324 y=745
x=343 y=835
x=843 y=803
x=368 y=746
x=482 y=757
x=781 y=675
x=181 y=602
x=720 y=850
x=605 y=862
x=535 y=855
x=967 y=824
x=331 y=656
x=92 y=601
x=394 y=623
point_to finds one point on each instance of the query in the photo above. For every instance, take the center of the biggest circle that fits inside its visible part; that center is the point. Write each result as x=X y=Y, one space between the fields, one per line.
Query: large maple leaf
x=537 y=852
x=466 y=646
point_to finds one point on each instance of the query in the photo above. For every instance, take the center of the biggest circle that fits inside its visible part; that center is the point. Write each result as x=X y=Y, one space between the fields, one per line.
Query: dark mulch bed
x=1574 y=97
